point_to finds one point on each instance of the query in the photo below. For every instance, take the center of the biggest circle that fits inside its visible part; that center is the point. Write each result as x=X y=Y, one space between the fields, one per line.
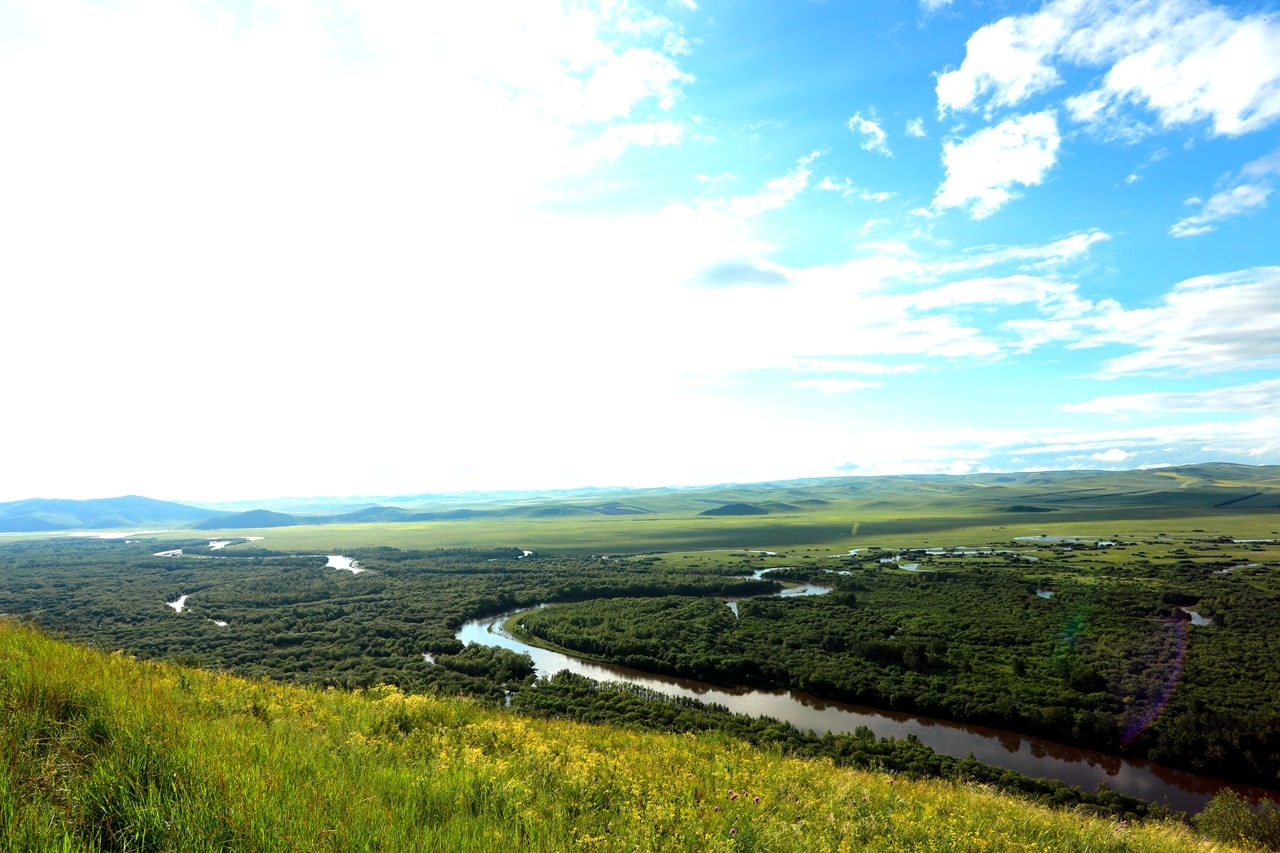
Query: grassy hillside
x=106 y=753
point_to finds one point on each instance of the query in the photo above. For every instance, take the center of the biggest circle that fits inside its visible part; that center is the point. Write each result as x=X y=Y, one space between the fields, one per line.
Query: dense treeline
x=1091 y=646
x=1105 y=658
x=261 y=613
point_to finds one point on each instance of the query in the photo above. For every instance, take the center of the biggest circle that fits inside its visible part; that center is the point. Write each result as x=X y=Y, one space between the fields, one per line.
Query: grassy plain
x=839 y=514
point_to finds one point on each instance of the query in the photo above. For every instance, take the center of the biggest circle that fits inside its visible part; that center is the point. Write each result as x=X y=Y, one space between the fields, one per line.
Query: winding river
x=1030 y=756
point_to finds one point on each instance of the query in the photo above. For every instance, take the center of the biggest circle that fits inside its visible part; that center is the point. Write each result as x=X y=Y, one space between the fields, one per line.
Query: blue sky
x=257 y=249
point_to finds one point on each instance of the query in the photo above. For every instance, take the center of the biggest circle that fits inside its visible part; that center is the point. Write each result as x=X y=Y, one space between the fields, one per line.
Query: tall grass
x=105 y=753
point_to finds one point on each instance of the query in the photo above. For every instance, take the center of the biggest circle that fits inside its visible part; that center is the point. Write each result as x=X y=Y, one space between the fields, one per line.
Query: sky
x=256 y=249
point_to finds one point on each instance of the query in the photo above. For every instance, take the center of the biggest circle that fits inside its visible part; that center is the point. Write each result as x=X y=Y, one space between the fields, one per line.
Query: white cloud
x=1208 y=324
x=676 y=44
x=1205 y=325
x=931 y=6
x=848 y=189
x=1185 y=61
x=846 y=365
x=777 y=192
x=918 y=450
x=836 y=386
x=1007 y=290
x=1007 y=61
x=983 y=169
x=1250 y=192
x=1254 y=398
x=915 y=128
x=1186 y=442
x=873 y=136
x=1062 y=251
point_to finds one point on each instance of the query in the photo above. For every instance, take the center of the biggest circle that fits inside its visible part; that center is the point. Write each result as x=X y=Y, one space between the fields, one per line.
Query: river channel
x=1029 y=756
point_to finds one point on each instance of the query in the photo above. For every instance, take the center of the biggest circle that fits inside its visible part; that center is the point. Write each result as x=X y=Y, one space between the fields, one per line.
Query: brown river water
x=1030 y=756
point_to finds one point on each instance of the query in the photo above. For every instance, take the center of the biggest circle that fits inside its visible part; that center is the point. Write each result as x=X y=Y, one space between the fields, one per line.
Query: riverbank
x=112 y=753
x=1030 y=757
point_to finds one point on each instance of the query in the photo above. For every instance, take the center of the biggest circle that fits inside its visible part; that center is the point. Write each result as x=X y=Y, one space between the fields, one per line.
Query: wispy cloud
x=776 y=193
x=1208 y=324
x=1257 y=397
x=836 y=386
x=973 y=450
x=1249 y=191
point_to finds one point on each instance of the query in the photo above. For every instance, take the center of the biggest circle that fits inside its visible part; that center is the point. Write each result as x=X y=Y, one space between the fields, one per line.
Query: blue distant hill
x=45 y=514
x=1203 y=487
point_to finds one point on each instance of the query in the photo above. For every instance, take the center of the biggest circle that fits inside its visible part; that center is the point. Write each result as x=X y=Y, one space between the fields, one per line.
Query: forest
x=1143 y=622
x=1095 y=647
x=1092 y=644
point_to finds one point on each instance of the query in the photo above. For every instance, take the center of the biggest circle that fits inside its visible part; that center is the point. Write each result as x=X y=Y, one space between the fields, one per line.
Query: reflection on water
x=345 y=564
x=1029 y=756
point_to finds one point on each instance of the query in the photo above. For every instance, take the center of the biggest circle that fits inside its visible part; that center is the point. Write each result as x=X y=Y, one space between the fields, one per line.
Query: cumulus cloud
x=873 y=136
x=1186 y=62
x=915 y=127
x=1006 y=62
x=983 y=169
x=1249 y=191
x=1181 y=61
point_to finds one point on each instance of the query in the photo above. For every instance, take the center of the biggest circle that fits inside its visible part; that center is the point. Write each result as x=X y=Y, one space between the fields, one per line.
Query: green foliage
x=106 y=753
x=1229 y=817
x=290 y=618
x=1107 y=662
x=566 y=695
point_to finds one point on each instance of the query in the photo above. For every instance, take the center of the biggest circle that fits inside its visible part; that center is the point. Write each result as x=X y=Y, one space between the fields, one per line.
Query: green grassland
x=842 y=513
x=105 y=753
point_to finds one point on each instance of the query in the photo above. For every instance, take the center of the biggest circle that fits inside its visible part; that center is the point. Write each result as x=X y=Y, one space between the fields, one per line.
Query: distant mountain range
x=1205 y=486
x=39 y=514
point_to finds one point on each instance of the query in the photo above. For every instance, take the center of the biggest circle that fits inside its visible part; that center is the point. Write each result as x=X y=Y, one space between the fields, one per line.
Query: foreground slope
x=107 y=753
